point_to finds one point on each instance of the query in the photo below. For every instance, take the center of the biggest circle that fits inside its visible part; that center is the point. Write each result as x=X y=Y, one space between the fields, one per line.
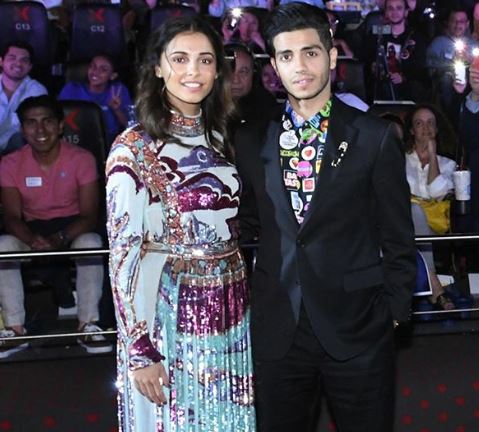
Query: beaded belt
x=207 y=251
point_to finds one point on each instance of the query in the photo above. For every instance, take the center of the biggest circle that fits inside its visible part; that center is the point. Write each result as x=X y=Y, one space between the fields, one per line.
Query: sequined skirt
x=202 y=328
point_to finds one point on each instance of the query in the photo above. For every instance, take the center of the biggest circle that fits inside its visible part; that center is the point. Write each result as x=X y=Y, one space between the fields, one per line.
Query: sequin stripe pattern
x=124 y=414
x=121 y=246
x=121 y=261
x=147 y=153
x=207 y=334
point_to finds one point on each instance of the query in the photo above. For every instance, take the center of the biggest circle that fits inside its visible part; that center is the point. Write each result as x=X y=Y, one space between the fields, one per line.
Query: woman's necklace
x=186 y=126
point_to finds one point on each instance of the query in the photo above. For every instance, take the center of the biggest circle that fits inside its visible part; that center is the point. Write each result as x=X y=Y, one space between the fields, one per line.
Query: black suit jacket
x=352 y=261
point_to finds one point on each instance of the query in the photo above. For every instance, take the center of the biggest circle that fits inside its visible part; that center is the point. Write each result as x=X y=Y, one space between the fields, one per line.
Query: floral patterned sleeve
x=126 y=199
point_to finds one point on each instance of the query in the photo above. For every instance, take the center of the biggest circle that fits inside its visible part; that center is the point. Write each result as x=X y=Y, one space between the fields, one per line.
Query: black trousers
x=360 y=391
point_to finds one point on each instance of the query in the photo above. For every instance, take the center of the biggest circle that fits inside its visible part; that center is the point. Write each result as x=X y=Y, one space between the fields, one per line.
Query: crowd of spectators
x=414 y=50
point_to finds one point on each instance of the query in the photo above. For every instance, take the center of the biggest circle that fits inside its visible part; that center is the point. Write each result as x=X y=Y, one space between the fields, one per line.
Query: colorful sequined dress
x=179 y=282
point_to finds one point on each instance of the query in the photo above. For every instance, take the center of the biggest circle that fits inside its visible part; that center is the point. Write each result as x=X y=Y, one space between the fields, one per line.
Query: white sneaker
x=94 y=343
x=10 y=345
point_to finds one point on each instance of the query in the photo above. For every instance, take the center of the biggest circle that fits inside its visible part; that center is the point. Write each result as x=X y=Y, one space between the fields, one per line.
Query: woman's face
x=270 y=80
x=424 y=127
x=411 y=4
x=248 y=24
x=475 y=14
x=188 y=67
x=100 y=72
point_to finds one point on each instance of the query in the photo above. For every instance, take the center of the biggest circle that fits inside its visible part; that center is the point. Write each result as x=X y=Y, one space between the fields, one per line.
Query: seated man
x=252 y=100
x=15 y=85
x=50 y=199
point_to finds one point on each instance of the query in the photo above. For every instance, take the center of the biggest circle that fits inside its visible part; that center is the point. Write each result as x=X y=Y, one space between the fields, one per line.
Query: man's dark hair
x=404 y=1
x=457 y=9
x=297 y=16
x=18 y=44
x=44 y=101
x=230 y=53
x=109 y=58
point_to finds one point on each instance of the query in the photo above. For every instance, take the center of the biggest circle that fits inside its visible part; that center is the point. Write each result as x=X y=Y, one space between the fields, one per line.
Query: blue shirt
x=80 y=91
x=9 y=122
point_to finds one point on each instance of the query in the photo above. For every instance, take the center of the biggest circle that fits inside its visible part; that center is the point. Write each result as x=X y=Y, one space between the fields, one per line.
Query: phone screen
x=460 y=72
x=475 y=63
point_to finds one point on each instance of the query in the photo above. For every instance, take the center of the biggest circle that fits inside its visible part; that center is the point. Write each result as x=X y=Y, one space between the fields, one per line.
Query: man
x=325 y=189
x=251 y=98
x=469 y=120
x=442 y=53
x=399 y=73
x=50 y=201
x=16 y=63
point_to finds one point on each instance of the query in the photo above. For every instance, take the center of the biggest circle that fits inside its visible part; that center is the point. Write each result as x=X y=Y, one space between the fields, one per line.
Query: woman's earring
x=158 y=73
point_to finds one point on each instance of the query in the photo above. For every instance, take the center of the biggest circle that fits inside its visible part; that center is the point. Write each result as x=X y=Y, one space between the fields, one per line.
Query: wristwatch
x=62 y=235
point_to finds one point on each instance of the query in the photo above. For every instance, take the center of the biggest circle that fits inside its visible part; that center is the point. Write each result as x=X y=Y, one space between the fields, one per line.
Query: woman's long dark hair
x=152 y=104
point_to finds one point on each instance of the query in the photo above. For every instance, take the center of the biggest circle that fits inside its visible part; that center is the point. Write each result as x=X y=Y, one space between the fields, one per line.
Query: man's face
x=303 y=64
x=242 y=79
x=16 y=63
x=457 y=24
x=395 y=12
x=41 y=129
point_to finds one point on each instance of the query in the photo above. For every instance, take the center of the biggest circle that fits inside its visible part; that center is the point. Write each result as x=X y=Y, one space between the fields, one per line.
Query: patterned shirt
x=302 y=144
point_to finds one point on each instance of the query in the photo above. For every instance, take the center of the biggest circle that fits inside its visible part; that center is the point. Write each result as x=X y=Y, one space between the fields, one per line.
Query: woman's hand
x=149 y=381
x=431 y=148
x=115 y=98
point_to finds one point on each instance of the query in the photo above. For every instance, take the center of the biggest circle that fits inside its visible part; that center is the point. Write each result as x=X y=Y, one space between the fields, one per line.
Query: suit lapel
x=274 y=184
x=340 y=131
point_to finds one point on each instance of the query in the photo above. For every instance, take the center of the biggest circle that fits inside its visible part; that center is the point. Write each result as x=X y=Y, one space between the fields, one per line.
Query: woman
x=246 y=30
x=430 y=177
x=178 y=279
x=103 y=88
x=272 y=82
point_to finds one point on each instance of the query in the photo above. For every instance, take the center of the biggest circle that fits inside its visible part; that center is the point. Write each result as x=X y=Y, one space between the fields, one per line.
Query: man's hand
x=226 y=30
x=474 y=83
x=40 y=243
x=396 y=78
x=149 y=381
x=56 y=241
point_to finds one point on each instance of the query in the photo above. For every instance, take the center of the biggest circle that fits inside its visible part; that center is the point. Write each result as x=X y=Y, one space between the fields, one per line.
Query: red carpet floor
x=438 y=390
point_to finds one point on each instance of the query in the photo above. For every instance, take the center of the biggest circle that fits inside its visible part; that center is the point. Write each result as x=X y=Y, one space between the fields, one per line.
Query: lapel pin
x=342 y=149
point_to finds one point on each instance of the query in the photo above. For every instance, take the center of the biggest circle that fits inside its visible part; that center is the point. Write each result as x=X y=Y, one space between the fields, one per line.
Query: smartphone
x=475 y=63
x=460 y=72
x=233 y=22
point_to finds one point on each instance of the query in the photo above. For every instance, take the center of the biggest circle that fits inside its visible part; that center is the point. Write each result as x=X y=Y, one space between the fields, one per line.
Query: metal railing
x=76 y=253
